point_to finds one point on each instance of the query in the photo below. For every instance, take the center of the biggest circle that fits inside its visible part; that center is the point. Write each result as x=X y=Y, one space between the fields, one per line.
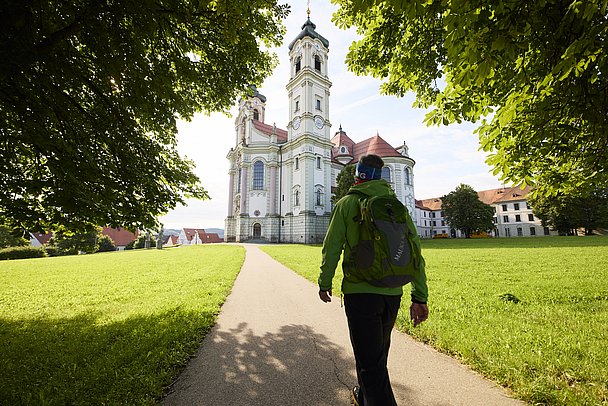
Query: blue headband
x=367 y=172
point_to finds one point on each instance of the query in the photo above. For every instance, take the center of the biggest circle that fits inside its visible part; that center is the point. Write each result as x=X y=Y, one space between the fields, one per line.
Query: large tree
x=564 y=213
x=344 y=180
x=533 y=73
x=90 y=91
x=463 y=210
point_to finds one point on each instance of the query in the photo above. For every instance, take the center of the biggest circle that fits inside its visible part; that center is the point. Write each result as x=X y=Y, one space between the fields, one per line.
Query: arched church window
x=256 y=115
x=386 y=174
x=317 y=63
x=319 y=196
x=298 y=64
x=297 y=163
x=296 y=198
x=408 y=176
x=258 y=175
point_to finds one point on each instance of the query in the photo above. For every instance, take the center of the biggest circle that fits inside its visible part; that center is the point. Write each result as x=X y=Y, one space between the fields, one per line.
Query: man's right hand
x=419 y=312
x=325 y=295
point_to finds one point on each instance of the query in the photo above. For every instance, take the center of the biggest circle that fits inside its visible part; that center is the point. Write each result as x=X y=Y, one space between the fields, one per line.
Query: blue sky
x=445 y=156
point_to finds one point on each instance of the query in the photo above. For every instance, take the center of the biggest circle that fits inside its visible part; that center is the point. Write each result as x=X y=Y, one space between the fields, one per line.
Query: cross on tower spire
x=308 y=8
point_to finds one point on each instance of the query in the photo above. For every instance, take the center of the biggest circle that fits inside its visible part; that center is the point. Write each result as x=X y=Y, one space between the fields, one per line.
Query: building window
x=296 y=198
x=505 y=219
x=238 y=183
x=424 y=213
x=297 y=105
x=317 y=63
x=441 y=213
x=258 y=175
x=528 y=206
x=530 y=217
x=517 y=218
x=425 y=223
x=297 y=163
x=532 y=230
x=318 y=162
x=520 y=232
x=515 y=206
x=442 y=223
x=433 y=223
x=318 y=106
x=318 y=195
x=386 y=174
x=408 y=176
x=504 y=207
x=298 y=64
x=433 y=214
x=256 y=115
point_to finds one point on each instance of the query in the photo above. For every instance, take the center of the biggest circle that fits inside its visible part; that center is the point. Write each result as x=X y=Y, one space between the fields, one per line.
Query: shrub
x=442 y=235
x=106 y=244
x=480 y=235
x=21 y=253
x=11 y=238
x=53 y=251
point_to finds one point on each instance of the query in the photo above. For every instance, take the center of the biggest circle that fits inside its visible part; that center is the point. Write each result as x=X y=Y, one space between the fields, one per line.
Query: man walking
x=371 y=310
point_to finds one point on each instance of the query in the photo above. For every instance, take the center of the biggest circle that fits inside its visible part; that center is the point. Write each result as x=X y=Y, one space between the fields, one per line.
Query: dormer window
x=298 y=64
x=317 y=63
x=343 y=150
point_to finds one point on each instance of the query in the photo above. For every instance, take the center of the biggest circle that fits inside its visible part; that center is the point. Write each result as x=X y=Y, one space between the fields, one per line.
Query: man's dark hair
x=371 y=160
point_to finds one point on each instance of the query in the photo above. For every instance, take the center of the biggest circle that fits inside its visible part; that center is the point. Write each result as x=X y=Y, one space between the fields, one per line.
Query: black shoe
x=354 y=396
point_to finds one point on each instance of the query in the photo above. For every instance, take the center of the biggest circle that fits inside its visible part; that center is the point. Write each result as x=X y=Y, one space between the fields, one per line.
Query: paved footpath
x=276 y=343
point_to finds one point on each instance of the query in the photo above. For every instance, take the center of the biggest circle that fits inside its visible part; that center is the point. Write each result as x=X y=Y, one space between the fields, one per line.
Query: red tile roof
x=267 y=129
x=375 y=145
x=203 y=236
x=491 y=196
x=42 y=238
x=120 y=236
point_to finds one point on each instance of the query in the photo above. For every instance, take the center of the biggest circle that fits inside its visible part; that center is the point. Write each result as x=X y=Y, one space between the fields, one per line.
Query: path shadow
x=294 y=366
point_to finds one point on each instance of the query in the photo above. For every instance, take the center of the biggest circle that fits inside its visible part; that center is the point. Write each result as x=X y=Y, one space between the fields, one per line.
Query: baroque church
x=281 y=181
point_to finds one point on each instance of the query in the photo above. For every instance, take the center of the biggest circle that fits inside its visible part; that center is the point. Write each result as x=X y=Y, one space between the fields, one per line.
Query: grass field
x=531 y=314
x=111 y=328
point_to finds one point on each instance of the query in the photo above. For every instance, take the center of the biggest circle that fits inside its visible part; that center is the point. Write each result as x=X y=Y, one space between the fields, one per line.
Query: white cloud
x=445 y=156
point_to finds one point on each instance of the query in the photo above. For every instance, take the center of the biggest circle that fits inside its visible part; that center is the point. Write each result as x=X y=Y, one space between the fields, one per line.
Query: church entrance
x=257 y=230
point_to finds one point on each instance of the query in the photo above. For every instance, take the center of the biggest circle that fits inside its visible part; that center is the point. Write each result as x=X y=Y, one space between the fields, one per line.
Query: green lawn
x=111 y=328
x=529 y=313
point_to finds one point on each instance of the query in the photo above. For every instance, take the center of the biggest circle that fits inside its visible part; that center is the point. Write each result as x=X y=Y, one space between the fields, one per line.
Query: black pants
x=371 y=318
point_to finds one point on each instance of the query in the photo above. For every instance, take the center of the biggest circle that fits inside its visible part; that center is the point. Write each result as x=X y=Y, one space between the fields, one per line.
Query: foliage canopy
x=533 y=73
x=90 y=92
x=463 y=210
x=345 y=179
x=567 y=212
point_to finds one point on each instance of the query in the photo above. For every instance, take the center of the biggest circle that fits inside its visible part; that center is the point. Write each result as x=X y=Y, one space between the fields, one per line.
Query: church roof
x=377 y=146
x=308 y=30
x=342 y=139
x=267 y=129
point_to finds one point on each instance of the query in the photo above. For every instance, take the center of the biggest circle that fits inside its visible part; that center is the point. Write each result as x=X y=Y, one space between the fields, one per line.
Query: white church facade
x=281 y=181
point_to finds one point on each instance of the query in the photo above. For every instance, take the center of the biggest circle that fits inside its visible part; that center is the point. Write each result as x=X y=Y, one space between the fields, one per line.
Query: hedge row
x=21 y=253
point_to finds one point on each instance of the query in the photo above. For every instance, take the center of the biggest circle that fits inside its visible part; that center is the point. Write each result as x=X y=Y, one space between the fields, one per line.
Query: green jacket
x=343 y=233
